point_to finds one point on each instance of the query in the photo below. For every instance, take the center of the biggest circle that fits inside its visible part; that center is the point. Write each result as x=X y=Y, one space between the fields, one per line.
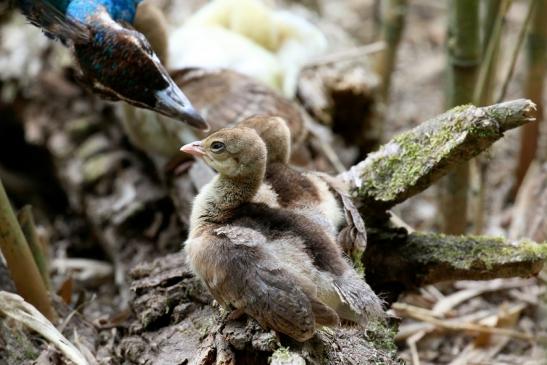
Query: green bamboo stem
x=494 y=19
x=490 y=41
x=536 y=63
x=496 y=11
x=23 y=269
x=26 y=220
x=463 y=64
x=393 y=23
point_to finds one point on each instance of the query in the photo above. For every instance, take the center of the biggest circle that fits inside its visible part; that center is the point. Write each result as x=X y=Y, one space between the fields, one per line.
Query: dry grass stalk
x=13 y=306
x=427 y=316
x=451 y=301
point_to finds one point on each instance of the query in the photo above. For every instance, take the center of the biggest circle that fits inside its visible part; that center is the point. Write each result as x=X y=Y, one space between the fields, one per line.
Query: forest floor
x=431 y=330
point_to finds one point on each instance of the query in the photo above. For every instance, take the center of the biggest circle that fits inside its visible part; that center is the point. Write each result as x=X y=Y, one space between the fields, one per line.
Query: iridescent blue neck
x=84 y=10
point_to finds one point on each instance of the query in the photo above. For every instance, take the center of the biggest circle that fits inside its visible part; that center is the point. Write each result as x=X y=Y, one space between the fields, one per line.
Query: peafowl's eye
x=217 y=146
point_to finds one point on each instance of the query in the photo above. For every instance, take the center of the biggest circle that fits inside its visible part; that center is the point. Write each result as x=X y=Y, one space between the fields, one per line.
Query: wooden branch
x=400 y=261
x=413 y=160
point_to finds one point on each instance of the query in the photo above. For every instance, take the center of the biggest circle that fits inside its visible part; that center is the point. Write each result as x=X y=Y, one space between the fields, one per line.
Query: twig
x=422 y=314
x=411 y=342
x=347 y=55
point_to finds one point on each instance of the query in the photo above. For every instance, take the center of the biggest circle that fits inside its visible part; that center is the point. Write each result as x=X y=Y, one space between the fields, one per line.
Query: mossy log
x=396 y=261
x=413 y=160
x=174 y=312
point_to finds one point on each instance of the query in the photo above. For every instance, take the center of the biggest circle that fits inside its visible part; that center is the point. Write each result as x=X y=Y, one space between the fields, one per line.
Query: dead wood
x=395 y=261
x=413 y=160
x=345 y=95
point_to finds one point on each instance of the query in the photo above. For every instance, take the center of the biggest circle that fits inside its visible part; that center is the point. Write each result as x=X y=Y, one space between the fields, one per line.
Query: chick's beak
x=194 y=149
x=173 y=103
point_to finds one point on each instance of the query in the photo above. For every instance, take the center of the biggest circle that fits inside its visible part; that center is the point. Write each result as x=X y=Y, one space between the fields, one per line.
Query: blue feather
x=81 y=10
x=119 y=10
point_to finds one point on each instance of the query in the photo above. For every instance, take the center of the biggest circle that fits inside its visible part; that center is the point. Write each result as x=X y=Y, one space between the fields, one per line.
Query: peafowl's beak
x=195 y=149
x=173 y=103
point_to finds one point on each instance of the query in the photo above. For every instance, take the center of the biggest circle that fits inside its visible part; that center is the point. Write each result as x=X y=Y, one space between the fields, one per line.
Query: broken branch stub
x=413 y=160
x=428 y=258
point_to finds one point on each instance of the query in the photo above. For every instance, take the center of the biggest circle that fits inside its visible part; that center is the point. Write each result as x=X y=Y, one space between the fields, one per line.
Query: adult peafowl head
x=114 y=60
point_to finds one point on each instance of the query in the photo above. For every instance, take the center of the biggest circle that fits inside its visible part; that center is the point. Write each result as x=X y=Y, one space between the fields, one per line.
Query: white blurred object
x=250 y=37
x=243 y=35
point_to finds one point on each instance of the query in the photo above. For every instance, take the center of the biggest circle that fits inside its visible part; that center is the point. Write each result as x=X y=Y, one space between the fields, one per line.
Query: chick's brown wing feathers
x=276 y=302
x=239 y=272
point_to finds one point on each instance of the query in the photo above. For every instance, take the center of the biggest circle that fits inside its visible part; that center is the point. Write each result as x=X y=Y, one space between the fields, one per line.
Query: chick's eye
x=217 y=146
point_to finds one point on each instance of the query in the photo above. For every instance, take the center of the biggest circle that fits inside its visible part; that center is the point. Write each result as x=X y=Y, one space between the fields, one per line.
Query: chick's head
x=275 y=133
x=234 y=152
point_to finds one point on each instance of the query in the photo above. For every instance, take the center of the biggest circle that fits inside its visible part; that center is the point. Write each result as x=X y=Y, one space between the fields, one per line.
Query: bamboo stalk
x=536 y=63
x=26 y=220
x=496 y=11
x=393 y=23
x=516 y=50
x=23 y=269
x=494 y=19
x=464 y=59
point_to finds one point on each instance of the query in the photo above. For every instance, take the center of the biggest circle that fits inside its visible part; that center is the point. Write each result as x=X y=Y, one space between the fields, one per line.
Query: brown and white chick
x=306 y=193
x=275 y=265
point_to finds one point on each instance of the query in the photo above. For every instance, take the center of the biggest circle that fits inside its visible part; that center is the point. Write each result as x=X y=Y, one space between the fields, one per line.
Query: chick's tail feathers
x=359 y=303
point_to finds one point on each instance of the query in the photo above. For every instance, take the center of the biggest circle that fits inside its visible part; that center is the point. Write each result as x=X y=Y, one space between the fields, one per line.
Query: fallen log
x=175 y=314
